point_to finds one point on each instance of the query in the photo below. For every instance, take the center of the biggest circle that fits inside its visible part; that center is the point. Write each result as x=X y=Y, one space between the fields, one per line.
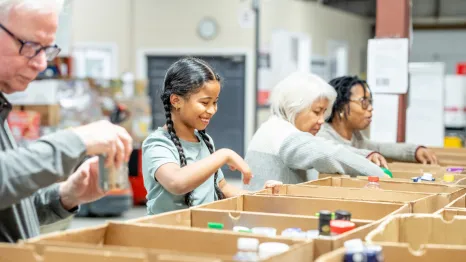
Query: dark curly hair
x=185 y=77
x=343 y=87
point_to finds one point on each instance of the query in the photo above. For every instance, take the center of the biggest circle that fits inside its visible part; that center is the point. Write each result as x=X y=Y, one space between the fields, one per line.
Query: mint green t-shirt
x=158 y=149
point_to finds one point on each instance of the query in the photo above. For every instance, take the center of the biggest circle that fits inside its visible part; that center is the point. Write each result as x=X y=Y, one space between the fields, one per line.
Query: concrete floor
x=135 y=212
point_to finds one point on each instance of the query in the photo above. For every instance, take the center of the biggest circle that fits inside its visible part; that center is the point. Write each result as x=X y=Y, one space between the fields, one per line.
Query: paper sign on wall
x=387 y=65
x=384 y=118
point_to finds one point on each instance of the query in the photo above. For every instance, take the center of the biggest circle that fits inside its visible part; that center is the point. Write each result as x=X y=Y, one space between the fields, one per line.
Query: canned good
x=112 y=178
x=342 y=215
x=324 y=222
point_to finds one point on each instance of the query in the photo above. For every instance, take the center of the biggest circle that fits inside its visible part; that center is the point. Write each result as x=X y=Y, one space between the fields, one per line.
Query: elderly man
x=29 y=193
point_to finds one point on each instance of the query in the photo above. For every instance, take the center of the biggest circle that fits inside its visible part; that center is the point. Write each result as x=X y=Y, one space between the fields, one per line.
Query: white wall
x=137 y=24
x=439 y=46
x=104 y=21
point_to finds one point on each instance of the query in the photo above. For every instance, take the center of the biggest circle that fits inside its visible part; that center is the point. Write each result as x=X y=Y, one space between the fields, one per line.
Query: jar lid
x=373 y=179
x=341 y=226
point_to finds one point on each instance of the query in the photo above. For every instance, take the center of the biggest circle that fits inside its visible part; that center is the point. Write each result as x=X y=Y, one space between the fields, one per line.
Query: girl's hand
x=236 y=162
x=426 y=156
x=275 y=185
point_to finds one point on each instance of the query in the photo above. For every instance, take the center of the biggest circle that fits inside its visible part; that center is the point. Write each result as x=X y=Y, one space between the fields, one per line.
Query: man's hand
x=82 y=186
x=105 y=138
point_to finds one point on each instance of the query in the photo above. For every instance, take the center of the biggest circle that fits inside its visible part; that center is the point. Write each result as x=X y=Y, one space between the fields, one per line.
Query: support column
x=393 y=21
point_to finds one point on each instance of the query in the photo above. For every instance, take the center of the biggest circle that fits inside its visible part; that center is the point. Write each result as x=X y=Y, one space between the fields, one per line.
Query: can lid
x=342 y=212
x=373 y=179
x=448 y=177
x=341 y=226
x=214 y=225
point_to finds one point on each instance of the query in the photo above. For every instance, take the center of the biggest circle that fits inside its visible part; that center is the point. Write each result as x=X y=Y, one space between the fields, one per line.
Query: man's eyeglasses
x=364 y=101
x=31 y=49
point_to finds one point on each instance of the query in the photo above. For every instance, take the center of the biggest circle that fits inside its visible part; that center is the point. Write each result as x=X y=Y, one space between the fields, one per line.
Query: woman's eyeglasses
x=365 y=102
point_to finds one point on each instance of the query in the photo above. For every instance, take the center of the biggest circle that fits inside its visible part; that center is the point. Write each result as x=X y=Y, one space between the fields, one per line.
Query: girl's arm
x=181 y=180
x=232 y=191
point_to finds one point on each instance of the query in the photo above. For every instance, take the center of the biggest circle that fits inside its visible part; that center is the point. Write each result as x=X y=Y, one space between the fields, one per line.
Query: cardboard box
x=419 y=202
x=364 y=210
x=49 y=114
x=450 y=213
x=450 y=191
x=415 y=167
x=199 y=218
x=26 y=253
x=460 y=202
x=137 y=237
x=419 y=229
x=402 y=252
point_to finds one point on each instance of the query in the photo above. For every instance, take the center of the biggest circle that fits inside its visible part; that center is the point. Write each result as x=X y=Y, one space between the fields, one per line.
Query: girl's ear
x=175 y=101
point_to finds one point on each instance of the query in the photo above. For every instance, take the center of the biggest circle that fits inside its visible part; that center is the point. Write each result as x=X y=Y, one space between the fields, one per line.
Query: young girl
x=180 y=165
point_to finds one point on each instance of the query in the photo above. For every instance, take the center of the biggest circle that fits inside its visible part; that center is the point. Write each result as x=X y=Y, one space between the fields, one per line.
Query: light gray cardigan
x=279 y=151
x=395 y=151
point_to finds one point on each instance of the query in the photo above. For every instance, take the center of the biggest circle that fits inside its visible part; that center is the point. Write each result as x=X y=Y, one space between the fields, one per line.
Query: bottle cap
x=214 y=225
x=269 y=249
x=448 y=177
x=249 y=244
x=388 y=172
x=373 y=179
x=341 y=226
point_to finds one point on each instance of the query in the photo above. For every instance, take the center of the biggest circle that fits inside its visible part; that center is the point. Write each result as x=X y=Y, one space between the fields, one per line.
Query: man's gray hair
x=45 y=6
x=297 y=92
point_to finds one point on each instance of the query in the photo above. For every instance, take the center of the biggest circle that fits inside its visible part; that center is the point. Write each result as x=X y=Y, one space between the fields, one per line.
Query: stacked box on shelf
x=418 y=202
x=165 y=239
x=28 y=253
x=451 y=192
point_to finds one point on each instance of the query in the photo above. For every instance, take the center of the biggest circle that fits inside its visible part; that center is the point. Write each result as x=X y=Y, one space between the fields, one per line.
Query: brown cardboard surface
x=13 y=253
x=203 y=242
x=401 y=253
x=419 y=202
x=419 y=229
x=181 y=218
x=365 y=210
x=452 y=191
x=449 y=213
x=460 y=202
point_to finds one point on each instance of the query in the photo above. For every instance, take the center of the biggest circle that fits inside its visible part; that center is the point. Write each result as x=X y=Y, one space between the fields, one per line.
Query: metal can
x=325 y=217
x=342 y=215
x=112 y=178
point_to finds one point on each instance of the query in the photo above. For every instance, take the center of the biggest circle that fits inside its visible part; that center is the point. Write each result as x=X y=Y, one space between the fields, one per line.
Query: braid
x=206 y=139
x=171 y=130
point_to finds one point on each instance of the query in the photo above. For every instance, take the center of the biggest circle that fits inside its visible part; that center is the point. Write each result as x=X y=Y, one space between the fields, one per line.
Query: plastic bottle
x=269 y=249
x=373 y=182
x=374 y=253
x=247 y=250
x=354 y=251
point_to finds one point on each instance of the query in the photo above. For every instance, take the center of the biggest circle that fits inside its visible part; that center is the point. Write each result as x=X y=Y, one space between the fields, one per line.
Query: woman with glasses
x=285 y=147
x=352 y=113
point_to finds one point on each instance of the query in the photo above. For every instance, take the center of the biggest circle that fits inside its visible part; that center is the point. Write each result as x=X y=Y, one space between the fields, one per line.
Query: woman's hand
x=426 y=156
x=378 y=159
x=275 y=185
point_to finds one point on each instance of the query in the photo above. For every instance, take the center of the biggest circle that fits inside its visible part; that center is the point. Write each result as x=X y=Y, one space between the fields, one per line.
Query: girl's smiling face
x=196 y=110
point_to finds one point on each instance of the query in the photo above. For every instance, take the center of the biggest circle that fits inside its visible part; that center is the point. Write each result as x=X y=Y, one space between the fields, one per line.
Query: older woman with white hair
x=285 y=147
